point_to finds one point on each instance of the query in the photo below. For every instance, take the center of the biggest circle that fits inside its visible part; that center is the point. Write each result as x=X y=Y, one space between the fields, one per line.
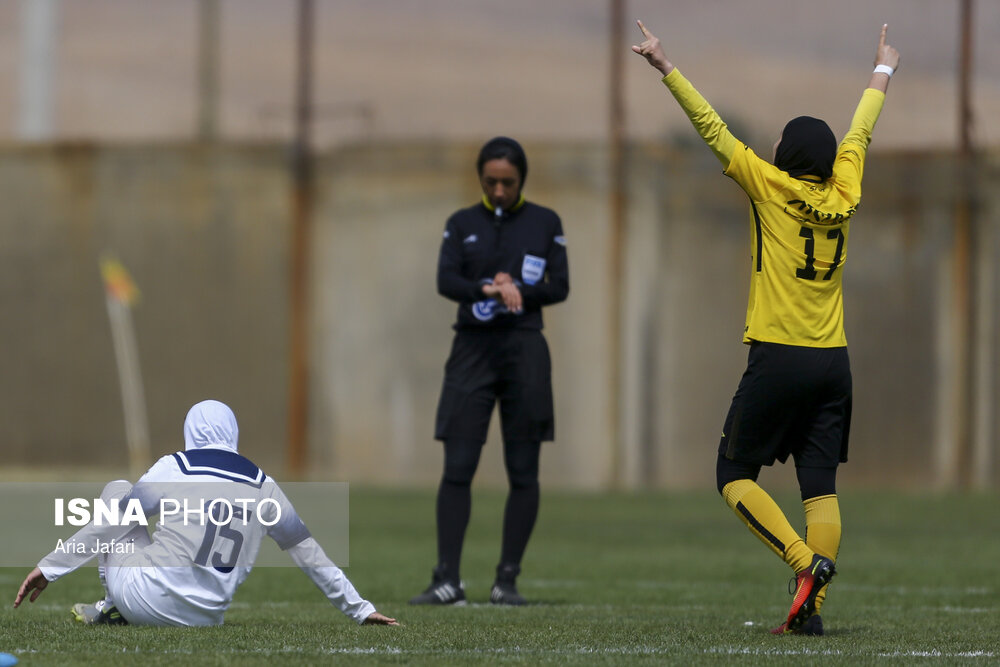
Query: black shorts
x=791 y=400
x=511 y=366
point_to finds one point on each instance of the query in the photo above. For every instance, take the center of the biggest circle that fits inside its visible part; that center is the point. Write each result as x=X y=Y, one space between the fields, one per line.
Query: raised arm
x=854 y=147
x=870 y=106
x=652 y=51
x=701 y=114
x=886 y=62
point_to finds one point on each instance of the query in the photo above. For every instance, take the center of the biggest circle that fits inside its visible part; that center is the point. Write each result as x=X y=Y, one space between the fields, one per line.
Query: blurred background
x=274 y=176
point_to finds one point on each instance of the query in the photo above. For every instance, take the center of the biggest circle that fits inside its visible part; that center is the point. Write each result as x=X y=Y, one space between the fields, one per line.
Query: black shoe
x=97 y=614
x=442 y=591
x=808 y=583
x=813 y=627
x=506 y=593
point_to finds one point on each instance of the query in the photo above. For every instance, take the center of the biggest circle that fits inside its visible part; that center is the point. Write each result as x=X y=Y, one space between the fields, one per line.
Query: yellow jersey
x=798 y=226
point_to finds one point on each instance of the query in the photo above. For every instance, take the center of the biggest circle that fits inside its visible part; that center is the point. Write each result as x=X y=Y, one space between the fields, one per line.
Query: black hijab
x=807 y=148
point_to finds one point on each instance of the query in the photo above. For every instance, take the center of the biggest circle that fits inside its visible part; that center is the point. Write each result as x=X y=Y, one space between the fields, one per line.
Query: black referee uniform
x=497 y=356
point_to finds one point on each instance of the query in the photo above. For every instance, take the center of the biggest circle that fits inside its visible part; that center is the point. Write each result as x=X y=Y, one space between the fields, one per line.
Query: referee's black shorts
x=791 y=400
x=509 y=365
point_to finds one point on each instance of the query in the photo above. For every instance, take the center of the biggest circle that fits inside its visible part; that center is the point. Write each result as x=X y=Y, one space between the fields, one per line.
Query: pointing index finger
x=645 y=32
x=881 y=39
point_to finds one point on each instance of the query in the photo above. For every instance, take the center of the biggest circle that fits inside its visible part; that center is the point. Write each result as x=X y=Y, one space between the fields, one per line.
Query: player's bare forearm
x=652 y=51
x=886 y=56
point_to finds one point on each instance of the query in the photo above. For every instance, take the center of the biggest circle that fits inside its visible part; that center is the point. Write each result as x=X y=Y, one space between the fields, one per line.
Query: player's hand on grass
x=35 y=582
x=652 y=51
x=886 y=54
x=378 y=619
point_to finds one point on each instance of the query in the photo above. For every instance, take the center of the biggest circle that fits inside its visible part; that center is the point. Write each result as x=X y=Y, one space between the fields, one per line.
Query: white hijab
x=210 y=423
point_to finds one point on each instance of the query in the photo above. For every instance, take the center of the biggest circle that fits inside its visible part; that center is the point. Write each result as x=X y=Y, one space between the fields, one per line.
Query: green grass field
x=613 y=579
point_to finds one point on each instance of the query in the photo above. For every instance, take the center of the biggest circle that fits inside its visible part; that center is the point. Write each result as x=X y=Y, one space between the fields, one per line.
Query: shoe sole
x=77 y=611
x=803 y=630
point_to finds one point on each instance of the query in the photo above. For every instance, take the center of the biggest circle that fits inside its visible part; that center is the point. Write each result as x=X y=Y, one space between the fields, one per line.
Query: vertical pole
x=978 y=457
x=208 y=69
x=301 y=205
x=965 y=80
x=964 y=282
x=984 y=442
x=130 y=381
x=121 y=294
x=616 y=168
x=36 y=112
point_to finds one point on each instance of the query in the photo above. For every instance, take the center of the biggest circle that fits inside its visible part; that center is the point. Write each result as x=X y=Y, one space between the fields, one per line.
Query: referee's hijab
x=210 y=424
x=807 y=148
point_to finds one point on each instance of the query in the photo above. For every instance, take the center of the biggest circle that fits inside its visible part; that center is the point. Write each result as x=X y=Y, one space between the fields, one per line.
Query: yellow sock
x=823 y=531
x=766 y=520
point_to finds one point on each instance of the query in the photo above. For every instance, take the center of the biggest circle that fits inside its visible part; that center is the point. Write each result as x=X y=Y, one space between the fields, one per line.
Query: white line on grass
x=966 y=610
x=917 y=590
x=558 y=583
x=742 y=650
x=358 y=650
x=49 y=606
x=685 y=585
x=580 y=650
x=937 y=654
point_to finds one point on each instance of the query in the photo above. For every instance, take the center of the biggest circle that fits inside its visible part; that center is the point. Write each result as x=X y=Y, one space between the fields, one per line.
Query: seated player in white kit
x=188 y=572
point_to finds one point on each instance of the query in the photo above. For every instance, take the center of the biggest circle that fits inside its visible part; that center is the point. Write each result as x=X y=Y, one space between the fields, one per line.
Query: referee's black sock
x=521 y=458
x=518 y=522
x=454 y=504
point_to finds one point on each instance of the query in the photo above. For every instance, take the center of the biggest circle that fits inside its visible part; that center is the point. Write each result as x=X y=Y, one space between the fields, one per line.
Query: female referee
x=502 y=260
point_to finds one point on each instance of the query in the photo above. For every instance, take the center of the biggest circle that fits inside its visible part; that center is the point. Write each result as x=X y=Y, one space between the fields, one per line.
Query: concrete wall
x=205 y=233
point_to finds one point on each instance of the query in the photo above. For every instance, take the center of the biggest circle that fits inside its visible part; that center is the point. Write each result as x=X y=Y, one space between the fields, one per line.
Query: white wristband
x=884 y=69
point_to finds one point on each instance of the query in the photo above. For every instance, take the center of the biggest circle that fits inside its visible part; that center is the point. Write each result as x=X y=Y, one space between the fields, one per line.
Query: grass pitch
x=613 y=579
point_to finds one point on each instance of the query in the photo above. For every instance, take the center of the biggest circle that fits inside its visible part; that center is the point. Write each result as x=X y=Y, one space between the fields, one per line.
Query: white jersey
x=215 y=507
x=203 y=558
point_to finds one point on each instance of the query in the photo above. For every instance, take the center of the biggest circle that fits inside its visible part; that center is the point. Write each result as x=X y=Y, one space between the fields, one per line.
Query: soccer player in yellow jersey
x=795 y=395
